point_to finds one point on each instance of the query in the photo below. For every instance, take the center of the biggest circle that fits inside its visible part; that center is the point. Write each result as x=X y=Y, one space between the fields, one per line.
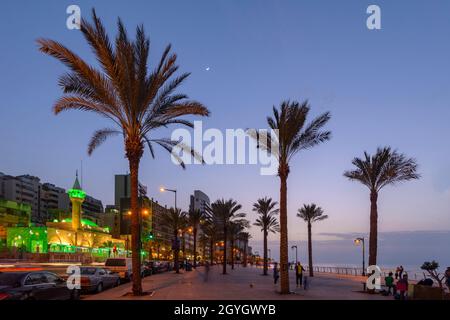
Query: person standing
x=389 y=282
x=299 y=274
x=402 y=287
x=400 y=272
x=276 y=273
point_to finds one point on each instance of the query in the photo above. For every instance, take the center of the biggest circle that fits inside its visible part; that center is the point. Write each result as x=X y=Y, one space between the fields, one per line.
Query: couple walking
x=298 y=274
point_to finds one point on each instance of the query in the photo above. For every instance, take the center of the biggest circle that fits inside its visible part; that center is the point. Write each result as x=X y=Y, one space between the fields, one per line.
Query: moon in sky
x=207 y=68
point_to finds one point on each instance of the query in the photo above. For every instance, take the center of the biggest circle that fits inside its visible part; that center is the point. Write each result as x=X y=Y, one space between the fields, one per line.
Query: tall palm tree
x=291 y=135
x=375 y=172
x=175 y=220
x=311 y=213
x=137 y=100
x=267 y=221
x=195 y=217
x=223 y=213
x=244 y=237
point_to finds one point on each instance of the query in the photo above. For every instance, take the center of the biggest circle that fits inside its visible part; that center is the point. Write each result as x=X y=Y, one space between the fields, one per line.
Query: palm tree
x=290 y=135
x=195 y=217
x=209 y=229
x=123 y=90
x=223 y=214
x=203 y=240
x=267 y=221
x=245 y=236
x=375 y=172
x=234 y=230
x=311 y=213
x=175 y=220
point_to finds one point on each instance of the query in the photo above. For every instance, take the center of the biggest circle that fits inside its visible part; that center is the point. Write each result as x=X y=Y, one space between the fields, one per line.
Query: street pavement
x=240 y=283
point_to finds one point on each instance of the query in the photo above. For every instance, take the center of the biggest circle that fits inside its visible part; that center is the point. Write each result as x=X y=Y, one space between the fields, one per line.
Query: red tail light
x=85 y=281
x=4 y=296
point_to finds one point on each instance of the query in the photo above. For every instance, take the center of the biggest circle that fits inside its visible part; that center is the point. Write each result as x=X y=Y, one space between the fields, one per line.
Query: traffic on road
x=51 y=281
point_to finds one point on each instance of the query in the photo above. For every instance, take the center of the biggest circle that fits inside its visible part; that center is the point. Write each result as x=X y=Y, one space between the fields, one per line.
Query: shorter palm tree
x=195 y=217
x=267 y=221
x=234 y=230
x=311 y=213
x=244 y=237
x=175 y=220
x=209 y=229
x=223 y=213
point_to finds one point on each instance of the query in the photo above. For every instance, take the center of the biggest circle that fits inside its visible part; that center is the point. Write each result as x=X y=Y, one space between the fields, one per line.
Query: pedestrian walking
x=276 y=273
x=299 y=274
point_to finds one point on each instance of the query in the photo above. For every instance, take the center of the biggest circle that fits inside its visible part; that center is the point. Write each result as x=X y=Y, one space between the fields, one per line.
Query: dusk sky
x=383 y=87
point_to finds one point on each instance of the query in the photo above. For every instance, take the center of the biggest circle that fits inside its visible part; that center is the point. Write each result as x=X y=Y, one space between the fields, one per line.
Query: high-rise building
x=121 y=188
x=24 y=189
x=46 y=200
x=199 y=201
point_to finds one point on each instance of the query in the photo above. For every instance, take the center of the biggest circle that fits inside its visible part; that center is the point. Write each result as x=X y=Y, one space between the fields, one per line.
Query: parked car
x=122 y=266
x=149 y=268
x=95 y=279
x=35 y=285
x=162 y=266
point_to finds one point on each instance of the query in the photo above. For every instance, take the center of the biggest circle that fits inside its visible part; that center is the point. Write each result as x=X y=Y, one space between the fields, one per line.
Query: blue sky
x=386 y=87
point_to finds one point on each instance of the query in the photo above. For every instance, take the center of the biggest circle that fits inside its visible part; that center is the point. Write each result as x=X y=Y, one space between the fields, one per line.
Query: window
x=35 y=278
x=52 y=278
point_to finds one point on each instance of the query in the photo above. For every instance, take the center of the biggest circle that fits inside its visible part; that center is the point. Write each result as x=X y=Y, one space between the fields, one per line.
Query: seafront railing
x=353 y=271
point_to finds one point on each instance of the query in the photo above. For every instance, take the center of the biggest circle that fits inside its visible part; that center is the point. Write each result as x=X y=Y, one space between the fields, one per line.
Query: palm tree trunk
x=373 y=237
x=284 y=259
x=211 y=251
x=311 y=273
x=232 y=253
x=135 y=227
x=245 y=254
x=176 y=252
x=195 y=247
x=225 y=250
x=265 y=262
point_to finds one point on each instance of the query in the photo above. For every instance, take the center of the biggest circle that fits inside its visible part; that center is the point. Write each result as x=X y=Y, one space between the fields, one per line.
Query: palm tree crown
x=311 y=213
x=267 y=213
x=384 y=168
x=292 y=134
x=123 y=90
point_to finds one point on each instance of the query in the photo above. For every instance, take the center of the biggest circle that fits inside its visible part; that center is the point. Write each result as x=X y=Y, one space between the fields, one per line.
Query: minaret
x=76 y=196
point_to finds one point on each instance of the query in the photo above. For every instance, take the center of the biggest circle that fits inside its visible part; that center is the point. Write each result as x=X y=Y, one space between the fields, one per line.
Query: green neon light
x=76 y=193
x=83 y=222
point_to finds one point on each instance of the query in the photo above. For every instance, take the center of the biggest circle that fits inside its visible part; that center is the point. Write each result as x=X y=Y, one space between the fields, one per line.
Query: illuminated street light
x=162 y=189
x=357 y=242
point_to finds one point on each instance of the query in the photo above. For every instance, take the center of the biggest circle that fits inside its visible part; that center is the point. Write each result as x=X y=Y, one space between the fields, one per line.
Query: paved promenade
x=241 y=283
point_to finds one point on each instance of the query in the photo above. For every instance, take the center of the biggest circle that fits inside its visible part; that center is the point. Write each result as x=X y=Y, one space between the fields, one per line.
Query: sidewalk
x=240 y=283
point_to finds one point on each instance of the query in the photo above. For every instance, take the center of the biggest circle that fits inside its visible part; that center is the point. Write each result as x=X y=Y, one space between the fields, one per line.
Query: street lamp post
x=162 y=189
x=296 y=254
x=357 y=242
x=270 y=255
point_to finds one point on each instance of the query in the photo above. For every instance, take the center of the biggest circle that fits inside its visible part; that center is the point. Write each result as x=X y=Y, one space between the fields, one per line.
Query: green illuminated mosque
x=71 y=235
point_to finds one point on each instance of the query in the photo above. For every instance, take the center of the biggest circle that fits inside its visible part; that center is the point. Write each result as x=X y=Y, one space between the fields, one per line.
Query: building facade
x=47 y=201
